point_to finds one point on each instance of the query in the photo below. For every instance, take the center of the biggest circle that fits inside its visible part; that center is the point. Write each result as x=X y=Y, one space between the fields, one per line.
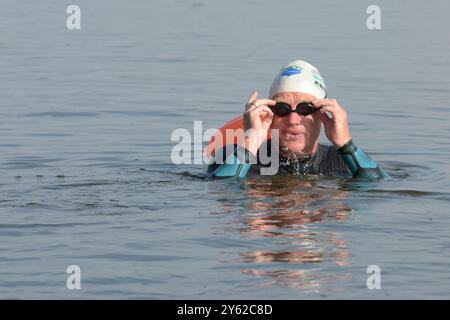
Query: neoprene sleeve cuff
x=360 y=163
x=236 y=163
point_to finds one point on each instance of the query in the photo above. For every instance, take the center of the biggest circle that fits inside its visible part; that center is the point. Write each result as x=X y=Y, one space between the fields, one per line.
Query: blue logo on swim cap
x=291 y=70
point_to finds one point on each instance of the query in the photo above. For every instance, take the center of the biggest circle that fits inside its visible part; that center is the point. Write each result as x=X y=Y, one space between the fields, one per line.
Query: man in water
x=297 y=107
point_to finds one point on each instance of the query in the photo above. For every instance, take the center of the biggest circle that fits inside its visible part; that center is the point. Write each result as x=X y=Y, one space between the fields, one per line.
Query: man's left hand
x=336 y=128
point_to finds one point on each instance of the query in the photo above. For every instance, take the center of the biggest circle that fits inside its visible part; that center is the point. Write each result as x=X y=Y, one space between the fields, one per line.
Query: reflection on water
x=287 y=209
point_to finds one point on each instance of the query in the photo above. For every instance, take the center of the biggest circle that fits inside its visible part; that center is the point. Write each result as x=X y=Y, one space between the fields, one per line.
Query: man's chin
x=293 y=146
x=292 y=142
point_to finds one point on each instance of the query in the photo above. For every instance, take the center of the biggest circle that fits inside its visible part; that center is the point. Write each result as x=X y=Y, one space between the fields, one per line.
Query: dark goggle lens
x=283 y=109
x=305 y=108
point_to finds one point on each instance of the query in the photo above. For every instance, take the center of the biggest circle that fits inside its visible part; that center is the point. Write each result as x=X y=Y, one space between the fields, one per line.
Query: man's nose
x=294 y=118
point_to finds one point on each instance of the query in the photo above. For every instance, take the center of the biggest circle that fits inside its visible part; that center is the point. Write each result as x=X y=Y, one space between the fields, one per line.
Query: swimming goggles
x=282 y=109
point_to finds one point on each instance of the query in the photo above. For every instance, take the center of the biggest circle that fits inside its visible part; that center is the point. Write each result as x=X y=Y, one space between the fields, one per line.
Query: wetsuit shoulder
x=330 y=162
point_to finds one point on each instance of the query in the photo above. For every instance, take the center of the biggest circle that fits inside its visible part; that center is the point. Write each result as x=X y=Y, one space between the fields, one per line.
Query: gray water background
x=85 y=138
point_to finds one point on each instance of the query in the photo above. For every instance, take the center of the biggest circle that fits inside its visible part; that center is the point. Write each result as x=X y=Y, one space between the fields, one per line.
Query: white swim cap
x=299 y=76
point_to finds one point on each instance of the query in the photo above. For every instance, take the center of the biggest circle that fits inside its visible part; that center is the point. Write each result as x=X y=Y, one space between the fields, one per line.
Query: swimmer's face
x=297 y=133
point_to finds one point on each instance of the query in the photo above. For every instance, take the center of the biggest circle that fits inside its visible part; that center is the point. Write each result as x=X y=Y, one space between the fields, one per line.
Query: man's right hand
x=258 y=117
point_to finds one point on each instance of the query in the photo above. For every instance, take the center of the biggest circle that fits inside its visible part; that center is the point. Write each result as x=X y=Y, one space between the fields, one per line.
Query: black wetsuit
x=348 y=160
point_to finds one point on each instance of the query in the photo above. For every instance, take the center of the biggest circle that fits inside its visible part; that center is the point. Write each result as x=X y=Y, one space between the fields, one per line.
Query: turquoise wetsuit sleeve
x=236 y=161
x=360 y=163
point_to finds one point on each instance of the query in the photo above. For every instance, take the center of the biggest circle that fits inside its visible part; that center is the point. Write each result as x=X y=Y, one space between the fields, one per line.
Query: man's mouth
x=291 y=135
